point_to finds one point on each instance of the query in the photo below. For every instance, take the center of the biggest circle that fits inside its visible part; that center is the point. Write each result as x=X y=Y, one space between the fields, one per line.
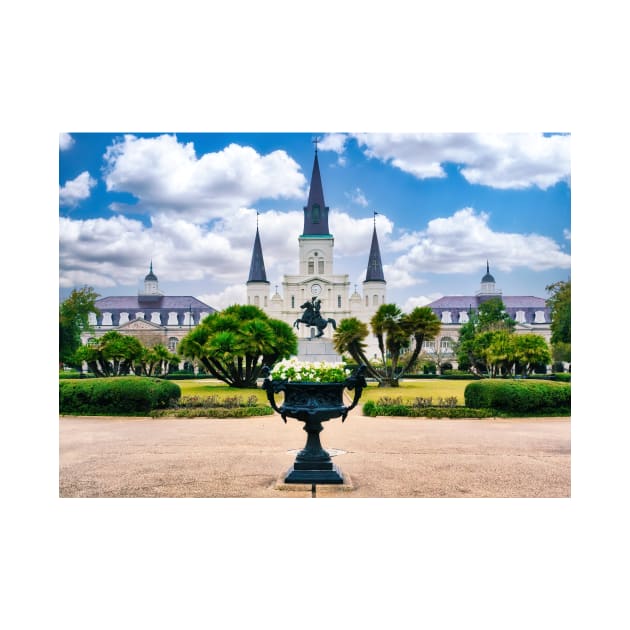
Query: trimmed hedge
x=370 y=408
x=213 y=412
x=121 y=395
x=518 y=395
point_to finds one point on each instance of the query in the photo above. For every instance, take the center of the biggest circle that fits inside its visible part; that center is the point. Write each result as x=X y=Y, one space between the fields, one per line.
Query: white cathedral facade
x=317 y=277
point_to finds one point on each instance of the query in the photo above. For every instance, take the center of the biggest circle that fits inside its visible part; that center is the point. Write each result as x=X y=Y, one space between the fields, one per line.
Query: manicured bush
x=518 y=395
x=126 y=395
x=212 y=412
x=565 y=377
x=372 y=409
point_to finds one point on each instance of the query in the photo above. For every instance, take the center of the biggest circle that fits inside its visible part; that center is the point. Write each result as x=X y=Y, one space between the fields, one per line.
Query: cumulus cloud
x=232 y=294
x=357 y=196
x=333 y=142
x=65 y=141
x=419 y=300
x=167 y=177
x=513 y=160
x=76 y=190
x=449 y=244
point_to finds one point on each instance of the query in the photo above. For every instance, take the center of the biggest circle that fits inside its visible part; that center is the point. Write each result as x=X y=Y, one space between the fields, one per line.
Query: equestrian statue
x=312 y=317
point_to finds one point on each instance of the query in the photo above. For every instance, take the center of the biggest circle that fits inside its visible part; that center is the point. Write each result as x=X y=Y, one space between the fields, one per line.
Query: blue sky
x=446 y=203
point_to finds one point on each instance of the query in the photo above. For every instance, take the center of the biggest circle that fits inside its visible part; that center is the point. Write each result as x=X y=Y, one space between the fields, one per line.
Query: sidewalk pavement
x=381 y=457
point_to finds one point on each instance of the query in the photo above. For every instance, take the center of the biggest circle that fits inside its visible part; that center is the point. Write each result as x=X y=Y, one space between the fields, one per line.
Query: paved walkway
x=381 y=457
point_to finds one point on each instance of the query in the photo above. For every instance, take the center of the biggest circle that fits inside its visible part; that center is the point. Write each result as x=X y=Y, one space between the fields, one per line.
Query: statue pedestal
x=317 y=350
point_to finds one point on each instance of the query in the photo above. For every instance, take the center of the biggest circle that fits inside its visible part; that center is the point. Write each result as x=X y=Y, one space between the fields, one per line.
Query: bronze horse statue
x=312 y=317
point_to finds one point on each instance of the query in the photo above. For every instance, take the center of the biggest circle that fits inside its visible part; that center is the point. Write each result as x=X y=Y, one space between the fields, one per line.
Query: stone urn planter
x=313 y=403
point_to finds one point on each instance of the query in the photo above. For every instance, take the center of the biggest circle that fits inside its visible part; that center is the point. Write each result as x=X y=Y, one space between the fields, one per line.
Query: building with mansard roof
x=531 y=314
x=150 y=316
x=317 y=276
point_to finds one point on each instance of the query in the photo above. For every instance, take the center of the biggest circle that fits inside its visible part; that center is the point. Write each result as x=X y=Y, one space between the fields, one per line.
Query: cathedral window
x=265 y=300
x=311 y=266
x=375 y=300
x=320 y=266
x=338 y=301
x=256 y=301
x=367 y=300
x=293 y=301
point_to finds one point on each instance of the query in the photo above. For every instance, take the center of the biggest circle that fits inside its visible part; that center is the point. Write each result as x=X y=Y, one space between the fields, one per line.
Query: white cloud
x=357 y=196
x=76 y=190
x=65 y=141
x=449 y=244
x=333 y=142
x=514 y=160
x=232 y=294
x=398 y=278
x=167 y=177
x=567 y=234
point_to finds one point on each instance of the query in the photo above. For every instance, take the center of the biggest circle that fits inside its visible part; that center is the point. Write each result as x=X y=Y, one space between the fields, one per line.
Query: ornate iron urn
x=314 y=403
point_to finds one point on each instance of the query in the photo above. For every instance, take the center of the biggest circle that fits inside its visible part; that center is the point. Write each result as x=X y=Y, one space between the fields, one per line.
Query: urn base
x=324 y=473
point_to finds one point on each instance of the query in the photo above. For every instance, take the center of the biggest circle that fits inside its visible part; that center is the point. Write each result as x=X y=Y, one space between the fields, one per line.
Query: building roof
x=464 y=302
x=172 y=302
x=375 y=266
x=257 y=271
x=316 y=212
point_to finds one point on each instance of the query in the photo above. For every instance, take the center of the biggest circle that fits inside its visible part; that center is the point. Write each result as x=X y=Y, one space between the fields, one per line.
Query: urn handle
x=271 y=387
x=358 y=383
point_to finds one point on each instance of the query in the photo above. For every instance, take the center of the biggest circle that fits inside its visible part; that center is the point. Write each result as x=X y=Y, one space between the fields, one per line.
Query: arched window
x=293 y=301
x=375 y=300
x=256 y=301
x=172 y=343
x=265 y=299
x=320 y=266
x=311 y=266
x=338 y=301
x=367 y=300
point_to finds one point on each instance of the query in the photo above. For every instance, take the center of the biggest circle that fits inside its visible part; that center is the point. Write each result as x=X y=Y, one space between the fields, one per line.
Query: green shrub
x=372 y=409
x=518 y=395
x=564 y=377
x=131 y=395
x=212 y=412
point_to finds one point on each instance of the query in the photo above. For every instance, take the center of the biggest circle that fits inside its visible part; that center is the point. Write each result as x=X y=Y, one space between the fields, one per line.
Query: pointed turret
x=375 y=266
x=488 y=287
x=316 y=212
x=257 y=271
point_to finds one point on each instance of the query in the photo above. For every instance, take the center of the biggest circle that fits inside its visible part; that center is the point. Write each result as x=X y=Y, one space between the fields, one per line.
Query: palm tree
x=234 y=344
x=423 y=325
x=348 y=337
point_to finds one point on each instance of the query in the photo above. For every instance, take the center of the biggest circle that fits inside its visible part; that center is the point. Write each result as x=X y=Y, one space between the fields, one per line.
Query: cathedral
x=317 y=281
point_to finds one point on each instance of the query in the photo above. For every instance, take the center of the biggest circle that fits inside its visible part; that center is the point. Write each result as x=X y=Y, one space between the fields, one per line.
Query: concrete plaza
x=381 y=457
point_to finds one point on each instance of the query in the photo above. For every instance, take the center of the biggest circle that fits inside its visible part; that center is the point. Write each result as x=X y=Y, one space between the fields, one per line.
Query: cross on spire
x=316 y=140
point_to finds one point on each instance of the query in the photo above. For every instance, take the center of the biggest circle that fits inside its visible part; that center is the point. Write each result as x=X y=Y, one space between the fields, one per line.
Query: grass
x=426 y=388
x=207 y=387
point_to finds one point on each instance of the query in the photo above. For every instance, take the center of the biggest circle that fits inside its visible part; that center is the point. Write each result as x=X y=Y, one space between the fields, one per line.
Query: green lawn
x=426 y=388
x=211 y=387
x=409 y=390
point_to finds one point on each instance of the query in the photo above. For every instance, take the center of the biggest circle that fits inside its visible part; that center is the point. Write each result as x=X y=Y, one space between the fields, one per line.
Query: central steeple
x=316 y=211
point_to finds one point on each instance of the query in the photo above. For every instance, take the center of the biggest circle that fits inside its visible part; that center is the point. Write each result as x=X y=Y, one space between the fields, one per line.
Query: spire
x=488 y=277
x=150 y=277
x=316 y=212
x=375 y=266
x=257 y=271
